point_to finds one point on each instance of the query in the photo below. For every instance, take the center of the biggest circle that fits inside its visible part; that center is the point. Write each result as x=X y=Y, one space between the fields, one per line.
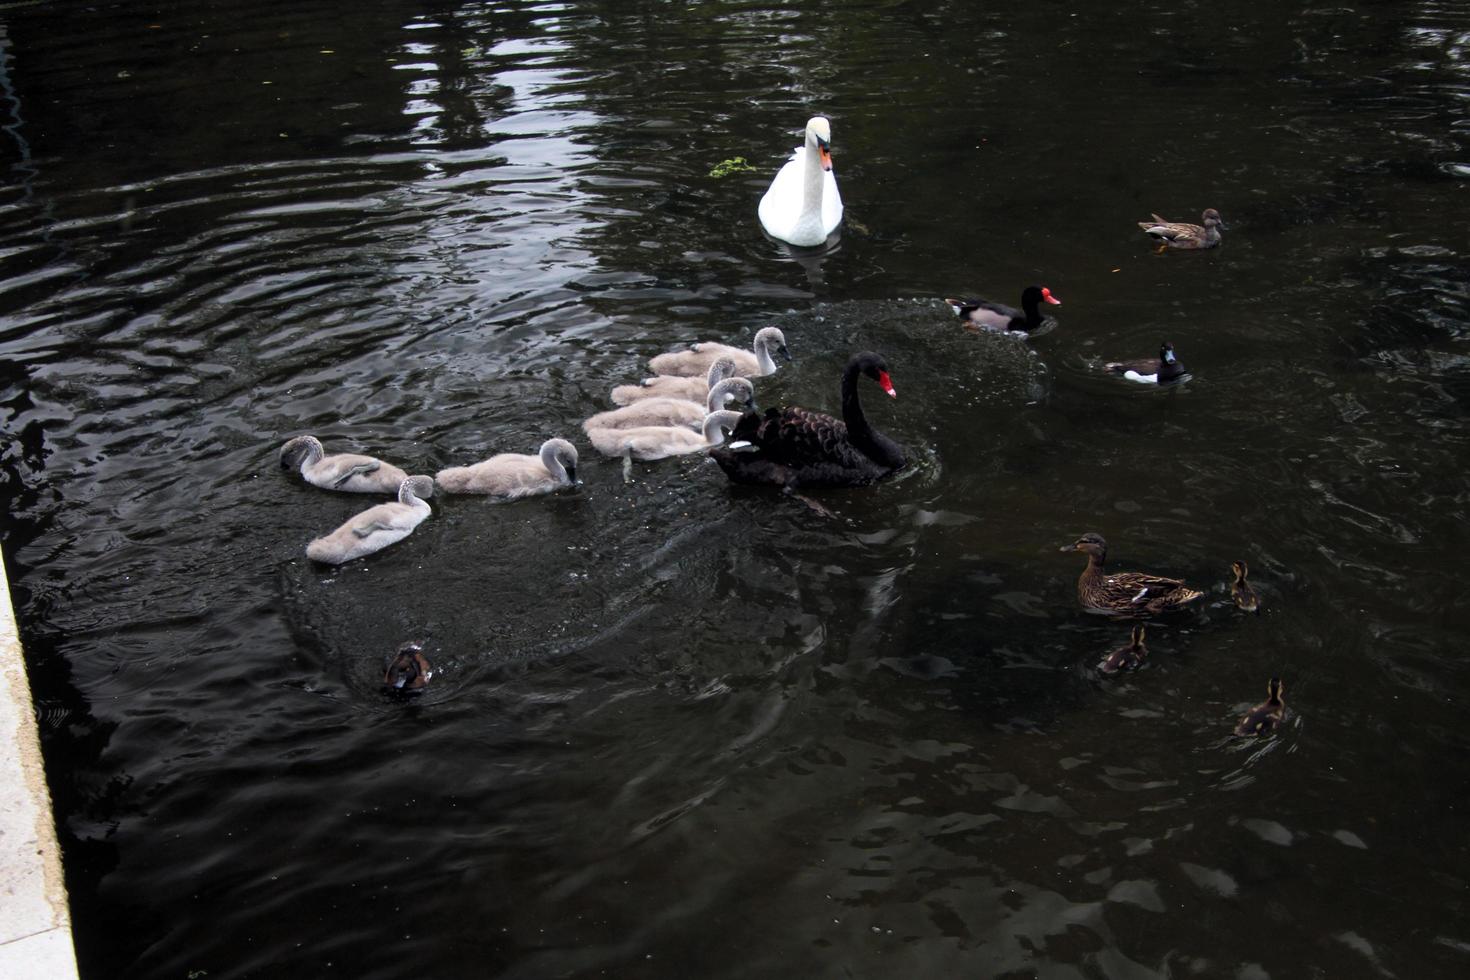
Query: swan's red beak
x=886 y=383
x=826 y=156
x=1046 y=295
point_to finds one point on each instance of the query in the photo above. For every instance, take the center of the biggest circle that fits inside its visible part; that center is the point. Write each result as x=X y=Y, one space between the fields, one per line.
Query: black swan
x=797 y=448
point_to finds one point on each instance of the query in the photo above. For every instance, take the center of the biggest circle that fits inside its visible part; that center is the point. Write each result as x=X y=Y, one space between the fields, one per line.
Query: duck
x=652 y=442
x=377 y=527
x=1179 y=234
x=348 y=472
x=1166 y=370
x=695 y=389
x=796 y=448
x=1264 y=717
x=802 y=206
x=408 y=670
x=674 y=411
x=1124 y=593
x=510 y=476
x=754 y=363
x=1128 y=656
x=982 y=313
x=1240 y=590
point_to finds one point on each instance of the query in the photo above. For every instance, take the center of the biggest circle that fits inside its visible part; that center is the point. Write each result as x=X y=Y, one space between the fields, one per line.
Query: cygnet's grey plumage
x=658 y=441
x=753 y=363
x=675 y=411
x=693 y=389
x=342 y=471
x=510 y=476
x=377 y=527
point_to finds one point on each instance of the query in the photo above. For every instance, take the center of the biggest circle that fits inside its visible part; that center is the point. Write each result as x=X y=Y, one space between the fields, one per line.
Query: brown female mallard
x=1180 y=234
x=1128 y=656
x=1124 y=593
x=1265 y=716
x=1240 y=590
x=408 y=670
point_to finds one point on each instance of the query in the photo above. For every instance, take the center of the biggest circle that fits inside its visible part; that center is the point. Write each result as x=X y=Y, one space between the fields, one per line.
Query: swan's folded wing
x=363 y=468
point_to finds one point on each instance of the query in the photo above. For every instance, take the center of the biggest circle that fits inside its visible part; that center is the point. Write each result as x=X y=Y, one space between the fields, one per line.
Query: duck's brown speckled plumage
x=1264 y=717
x=1125 y=593
x=1182 y=234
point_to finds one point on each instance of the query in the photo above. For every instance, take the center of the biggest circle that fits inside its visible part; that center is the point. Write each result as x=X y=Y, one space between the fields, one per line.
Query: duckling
x=377 y=527
x=408 y=670
x=1124 y=593
x=1240 y=590
x=658 y=441
x=675 y=411
x=753 y=363
x=1126 y=657
x=510 y=476
x=1179 y=234
x=1265 y=716
x=694 y=390
x=1166 y=370
x=342 y=471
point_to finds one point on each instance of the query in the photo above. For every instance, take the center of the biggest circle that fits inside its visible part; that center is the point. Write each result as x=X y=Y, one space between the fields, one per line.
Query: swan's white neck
x=763 y=357
x=715 y=423
x=725 y=390
x=812 y=180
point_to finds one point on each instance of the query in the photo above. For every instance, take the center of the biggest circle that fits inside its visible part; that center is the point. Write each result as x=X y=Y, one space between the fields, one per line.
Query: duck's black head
x=1275 y=689
x=876 y=368
x=1032 y=295
x=1092 y=543
x=1138 y=636
x=1166 y=353
x=1240 y=569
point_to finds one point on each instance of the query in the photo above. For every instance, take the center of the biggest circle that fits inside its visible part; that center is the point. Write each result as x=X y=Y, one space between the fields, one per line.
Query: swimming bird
x=693 y=389
x=802 y=206
x=1124 y=593
x=1240 y=590
x=675 y=411
x=510 y=476
x=797 y=447
x=1179 y=234
x=652 y=442
x=998 y=316
x=341 y=471
x=754 y=363
x=1265 y=716
x=408 y=670
x=377 y=527
x=1128 y=656
x=1166 y=370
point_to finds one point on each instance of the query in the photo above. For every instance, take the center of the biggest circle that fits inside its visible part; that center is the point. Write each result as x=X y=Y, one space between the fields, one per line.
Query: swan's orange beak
x=886 y=384
x=1046 y=295
x=826 y=156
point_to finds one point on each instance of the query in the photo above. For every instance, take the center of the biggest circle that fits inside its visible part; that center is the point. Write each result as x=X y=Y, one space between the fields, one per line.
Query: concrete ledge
x=35 y=930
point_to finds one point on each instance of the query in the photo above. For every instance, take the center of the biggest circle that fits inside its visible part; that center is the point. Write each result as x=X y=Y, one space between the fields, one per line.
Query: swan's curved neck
x=763 y=356
x=873 y=443
x=715 y=422
x=551 y=459
x=314 y=453
x=725 y=390
x=812 y=177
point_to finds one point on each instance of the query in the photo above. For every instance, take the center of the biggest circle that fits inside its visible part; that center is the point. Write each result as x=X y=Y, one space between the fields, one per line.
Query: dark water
x=682 y=729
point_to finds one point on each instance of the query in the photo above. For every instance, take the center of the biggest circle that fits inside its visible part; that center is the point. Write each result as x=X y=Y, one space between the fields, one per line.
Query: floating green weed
x=734 y=165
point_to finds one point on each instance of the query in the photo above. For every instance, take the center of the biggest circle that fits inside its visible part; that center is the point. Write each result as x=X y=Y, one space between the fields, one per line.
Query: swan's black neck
x=874 y=444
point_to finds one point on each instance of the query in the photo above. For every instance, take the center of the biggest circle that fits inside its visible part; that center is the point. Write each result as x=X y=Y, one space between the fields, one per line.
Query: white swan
x=675 y=411
x=754 y=363
x=510 y=476
x=659 y=441
x=377 y=527
x=802 y=205
x=671 y=386
x=343 y=471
